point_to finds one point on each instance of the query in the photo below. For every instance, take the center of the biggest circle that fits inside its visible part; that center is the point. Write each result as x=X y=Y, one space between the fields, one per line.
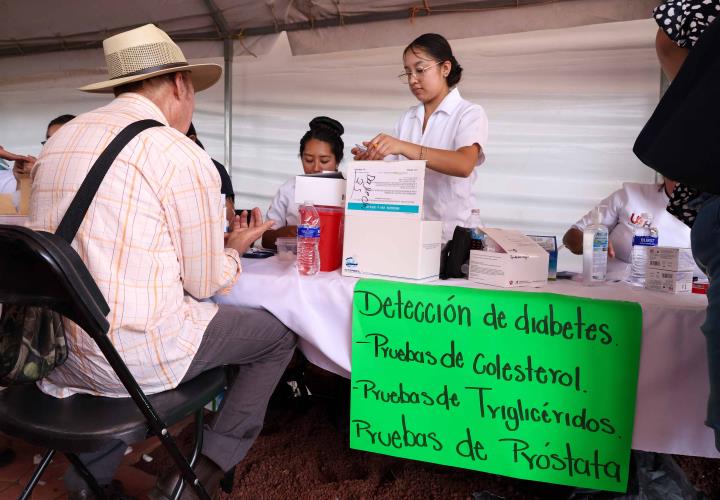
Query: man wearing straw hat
x=153 y=240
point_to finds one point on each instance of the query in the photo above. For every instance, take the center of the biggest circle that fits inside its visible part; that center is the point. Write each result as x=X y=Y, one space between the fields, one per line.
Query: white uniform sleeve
x=608 y=212
x=473 y=129
x=7 y=182
x=280 y=204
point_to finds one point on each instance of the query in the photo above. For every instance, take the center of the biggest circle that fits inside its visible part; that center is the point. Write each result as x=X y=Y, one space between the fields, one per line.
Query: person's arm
x=460 y=163
x=573 y=241
x=243 y=233
x=609 y=208
x=471 y=135
x=24 y=167
x=277 y=212
x=670 y=54
x=23 y=163
x=195 y=215
x=270 y=236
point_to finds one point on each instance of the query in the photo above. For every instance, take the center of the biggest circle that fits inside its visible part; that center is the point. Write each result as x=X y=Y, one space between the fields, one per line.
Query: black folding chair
x=33 y=272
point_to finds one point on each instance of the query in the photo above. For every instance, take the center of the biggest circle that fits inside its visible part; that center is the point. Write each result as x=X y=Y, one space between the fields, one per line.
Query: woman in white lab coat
x=445 y=130
x=321 y=150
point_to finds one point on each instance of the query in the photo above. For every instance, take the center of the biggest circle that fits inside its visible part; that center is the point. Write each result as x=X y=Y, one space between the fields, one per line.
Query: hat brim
x=203 y=76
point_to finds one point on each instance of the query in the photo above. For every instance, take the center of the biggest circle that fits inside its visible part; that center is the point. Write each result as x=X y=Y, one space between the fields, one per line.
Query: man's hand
x=23 y=166
x=23 y=163
x=242 y=234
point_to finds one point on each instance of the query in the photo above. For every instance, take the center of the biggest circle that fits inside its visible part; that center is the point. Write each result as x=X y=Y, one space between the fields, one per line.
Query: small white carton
x=387 y=188
x=669 y=281
x=379 y=246
x=324 y=188
x=671 y=258
x=516 y=261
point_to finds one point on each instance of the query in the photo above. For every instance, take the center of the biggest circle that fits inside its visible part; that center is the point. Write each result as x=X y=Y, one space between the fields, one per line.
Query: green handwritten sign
x=530 y=385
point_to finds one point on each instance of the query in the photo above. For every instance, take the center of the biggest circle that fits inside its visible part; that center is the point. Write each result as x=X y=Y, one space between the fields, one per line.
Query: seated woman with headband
x=321 y=150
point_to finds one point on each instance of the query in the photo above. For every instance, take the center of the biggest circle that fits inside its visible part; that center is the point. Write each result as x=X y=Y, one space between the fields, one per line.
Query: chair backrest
x=40 y=268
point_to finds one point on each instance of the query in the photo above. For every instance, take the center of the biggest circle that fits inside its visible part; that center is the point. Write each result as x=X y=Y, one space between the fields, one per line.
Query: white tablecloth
x=673 y=381
x=17 y=220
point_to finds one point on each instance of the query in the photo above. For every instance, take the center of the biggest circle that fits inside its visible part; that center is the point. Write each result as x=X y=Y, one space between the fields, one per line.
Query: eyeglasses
x=419 y=73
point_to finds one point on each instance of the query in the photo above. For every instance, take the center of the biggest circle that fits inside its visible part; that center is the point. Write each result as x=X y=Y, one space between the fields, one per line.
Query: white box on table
x=671 y=258
x=325 y=188
x=387 y=246
x=522 y=263
x=389 y=188
x=669 y=281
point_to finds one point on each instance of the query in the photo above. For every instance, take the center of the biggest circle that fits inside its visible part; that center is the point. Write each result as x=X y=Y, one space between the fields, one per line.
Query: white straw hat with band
x=146 y=52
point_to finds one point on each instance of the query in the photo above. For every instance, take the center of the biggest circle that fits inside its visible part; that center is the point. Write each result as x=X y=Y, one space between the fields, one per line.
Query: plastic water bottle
x=308 y=240
x=595 y=250
x=476 y=238
x=476 y=235
x=645 y=235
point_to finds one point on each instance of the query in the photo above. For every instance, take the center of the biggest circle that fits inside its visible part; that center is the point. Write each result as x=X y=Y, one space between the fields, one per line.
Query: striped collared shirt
x=152 y=239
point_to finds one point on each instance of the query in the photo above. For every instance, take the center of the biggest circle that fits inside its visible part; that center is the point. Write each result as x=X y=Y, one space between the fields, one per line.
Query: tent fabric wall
x=564 y=108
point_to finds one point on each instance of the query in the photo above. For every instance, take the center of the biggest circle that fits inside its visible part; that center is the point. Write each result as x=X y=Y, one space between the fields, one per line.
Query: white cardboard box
x=326 y=189
x=524 y=263
x=379 y=246
x=669 y=281
x=671 y=258
x=387 y=188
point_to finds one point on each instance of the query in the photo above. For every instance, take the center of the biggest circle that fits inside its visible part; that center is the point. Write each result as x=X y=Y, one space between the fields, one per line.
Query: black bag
x=456 y=253
x=680 y=140
x=32 y=338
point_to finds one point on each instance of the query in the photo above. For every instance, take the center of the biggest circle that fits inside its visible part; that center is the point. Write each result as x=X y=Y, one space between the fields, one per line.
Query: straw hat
x=146 y=52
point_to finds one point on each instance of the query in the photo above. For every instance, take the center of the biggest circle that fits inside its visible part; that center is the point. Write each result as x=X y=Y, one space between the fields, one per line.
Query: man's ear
x=178 y=85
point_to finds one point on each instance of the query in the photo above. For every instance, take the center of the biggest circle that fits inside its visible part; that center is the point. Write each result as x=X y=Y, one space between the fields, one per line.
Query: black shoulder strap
x=75 y=214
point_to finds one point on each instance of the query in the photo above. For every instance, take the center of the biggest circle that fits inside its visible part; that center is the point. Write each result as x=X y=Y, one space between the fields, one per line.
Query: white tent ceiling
x=32 y=26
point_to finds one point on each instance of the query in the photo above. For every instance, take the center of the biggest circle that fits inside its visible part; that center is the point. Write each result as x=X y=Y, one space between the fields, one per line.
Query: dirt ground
x=303 y=453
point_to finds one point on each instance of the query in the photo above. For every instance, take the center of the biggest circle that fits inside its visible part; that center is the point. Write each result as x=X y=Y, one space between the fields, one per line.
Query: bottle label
x=600 y=242
x=308 y=232
x=599 y=259
x=645 y=241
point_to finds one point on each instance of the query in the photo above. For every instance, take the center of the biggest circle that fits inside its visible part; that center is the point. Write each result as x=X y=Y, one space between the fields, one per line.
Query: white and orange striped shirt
x=152 y=239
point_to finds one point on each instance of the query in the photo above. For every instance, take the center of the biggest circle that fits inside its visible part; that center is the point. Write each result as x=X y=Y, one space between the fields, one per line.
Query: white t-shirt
x=627 y=204
x=7 y=182
x=283 y=208
x=456 y=123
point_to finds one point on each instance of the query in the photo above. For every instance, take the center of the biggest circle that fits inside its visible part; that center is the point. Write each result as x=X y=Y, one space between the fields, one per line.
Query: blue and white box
x=387 y=188
x=385 y=236
x=390 y=247
x=549 y=243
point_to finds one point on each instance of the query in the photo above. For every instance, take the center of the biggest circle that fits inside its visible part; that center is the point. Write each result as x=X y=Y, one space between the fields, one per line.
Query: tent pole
x=228 y=53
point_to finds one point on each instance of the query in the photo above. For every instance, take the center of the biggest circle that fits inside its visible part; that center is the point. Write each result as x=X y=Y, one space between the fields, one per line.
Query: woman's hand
x=379 y=147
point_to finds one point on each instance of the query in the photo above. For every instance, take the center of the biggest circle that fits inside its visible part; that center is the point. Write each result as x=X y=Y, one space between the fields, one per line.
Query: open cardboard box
x=520 y=261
